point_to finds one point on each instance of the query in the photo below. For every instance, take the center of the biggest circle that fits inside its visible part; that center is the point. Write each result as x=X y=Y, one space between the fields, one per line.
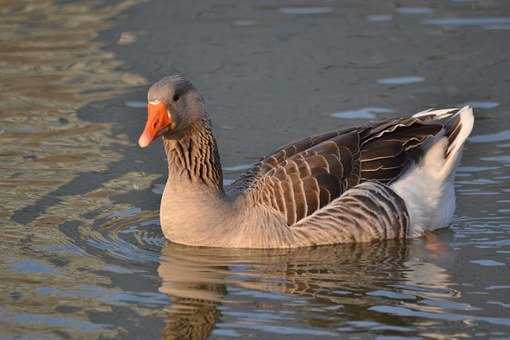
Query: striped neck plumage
x=194 y=157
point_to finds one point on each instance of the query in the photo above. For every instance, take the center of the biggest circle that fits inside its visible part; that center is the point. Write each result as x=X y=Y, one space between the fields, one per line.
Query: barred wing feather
x=300 y=178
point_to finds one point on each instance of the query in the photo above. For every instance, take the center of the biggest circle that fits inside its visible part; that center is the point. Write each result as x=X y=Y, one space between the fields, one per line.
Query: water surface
x=82 y=252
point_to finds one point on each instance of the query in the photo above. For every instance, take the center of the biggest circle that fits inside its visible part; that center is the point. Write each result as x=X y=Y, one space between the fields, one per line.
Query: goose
x=391 y=179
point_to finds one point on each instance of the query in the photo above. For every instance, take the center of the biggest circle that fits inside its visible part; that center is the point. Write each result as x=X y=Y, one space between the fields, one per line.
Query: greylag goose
x=383 y=180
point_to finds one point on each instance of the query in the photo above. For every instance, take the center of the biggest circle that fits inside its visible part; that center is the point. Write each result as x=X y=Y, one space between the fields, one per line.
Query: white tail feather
x=454 y=150
x=427 y=186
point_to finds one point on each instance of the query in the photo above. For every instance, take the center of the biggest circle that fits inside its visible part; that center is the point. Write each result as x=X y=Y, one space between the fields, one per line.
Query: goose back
x=302 y=177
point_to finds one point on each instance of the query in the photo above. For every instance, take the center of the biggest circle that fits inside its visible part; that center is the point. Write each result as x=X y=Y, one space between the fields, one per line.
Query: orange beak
x=157 y=122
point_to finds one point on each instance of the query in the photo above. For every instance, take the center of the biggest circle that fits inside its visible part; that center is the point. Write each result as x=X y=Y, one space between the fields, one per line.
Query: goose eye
x=176 y=97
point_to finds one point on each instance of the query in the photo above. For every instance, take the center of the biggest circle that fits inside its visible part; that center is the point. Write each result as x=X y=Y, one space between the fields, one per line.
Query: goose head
x=173 y=105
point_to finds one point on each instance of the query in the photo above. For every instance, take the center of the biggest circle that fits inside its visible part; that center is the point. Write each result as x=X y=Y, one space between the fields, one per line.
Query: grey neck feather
x=194 y=208
x=194 y=158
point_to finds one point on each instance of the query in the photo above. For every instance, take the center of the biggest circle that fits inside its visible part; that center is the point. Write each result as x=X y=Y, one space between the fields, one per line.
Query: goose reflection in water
x=342 y=281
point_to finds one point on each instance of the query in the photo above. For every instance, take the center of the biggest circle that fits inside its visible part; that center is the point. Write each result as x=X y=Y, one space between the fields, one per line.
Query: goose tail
x=458 y=130
x=458 y=126
x=427 y=187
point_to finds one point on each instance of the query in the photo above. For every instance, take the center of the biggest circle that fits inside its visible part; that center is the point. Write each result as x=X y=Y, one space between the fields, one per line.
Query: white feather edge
x=440 y=114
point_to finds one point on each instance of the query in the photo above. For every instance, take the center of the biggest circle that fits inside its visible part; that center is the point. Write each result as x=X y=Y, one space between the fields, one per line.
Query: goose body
x=383 y=180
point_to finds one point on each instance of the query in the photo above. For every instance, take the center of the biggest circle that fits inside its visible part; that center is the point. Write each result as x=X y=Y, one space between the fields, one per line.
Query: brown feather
x=314 y=171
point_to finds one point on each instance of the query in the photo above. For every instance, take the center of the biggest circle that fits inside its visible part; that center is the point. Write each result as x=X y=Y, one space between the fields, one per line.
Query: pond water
x=81 y=250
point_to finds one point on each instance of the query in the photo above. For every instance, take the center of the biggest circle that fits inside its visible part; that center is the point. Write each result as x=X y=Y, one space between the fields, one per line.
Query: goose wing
x=369 y=211
x=304 y=176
